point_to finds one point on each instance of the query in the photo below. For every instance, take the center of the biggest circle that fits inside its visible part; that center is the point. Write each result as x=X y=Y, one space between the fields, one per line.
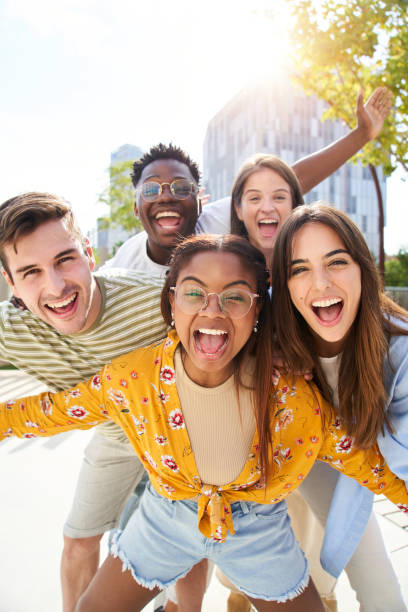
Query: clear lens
x=191 y=298
x=234 y=302
x=237 y=302
x=150 y=190
x=181 y=188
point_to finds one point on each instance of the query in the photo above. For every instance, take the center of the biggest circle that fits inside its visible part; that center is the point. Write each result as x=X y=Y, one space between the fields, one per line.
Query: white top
x=215 y=218
x=331 y=366
x=133 y=256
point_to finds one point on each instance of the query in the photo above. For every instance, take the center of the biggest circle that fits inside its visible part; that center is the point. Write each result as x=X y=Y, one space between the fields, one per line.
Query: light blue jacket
x=351 y=503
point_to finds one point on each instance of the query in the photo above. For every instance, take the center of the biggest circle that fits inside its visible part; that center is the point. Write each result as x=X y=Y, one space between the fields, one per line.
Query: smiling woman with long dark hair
x=331 y=316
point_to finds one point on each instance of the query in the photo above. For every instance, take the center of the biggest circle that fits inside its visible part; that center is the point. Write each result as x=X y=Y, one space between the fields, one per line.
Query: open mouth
x=268 y=227
x=328 y=311
x=211 y=343
x=168 y=219
x=63 y=307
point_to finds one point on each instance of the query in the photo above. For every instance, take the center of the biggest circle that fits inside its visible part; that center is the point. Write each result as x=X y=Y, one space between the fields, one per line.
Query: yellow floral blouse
x=138 y=392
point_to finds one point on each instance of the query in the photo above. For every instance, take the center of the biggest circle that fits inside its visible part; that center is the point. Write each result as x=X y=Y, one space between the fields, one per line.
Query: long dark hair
x=250 y=166
x=361 y=390
x=258 y=344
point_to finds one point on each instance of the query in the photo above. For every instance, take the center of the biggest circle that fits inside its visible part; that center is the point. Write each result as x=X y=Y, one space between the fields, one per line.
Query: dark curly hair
x=162 y=151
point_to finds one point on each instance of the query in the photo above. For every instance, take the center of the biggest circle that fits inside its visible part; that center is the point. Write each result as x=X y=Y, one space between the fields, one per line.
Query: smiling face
x=211 y=338
x=167 y=218
x=324 y=285
x=52 y=275
x=265 y=204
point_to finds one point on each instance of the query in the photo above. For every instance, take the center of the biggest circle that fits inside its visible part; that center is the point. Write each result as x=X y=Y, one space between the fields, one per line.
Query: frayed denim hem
x=292 y=594
x=117 y=552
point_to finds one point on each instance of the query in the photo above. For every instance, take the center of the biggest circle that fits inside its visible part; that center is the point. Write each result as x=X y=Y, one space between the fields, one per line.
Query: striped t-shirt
x=130 y=317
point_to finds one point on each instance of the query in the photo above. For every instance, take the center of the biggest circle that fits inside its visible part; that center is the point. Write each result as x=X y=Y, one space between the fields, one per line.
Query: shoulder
x=130 y=279
x=215 y=218
x=295 y=390
x=131 y=246
x=143 y=361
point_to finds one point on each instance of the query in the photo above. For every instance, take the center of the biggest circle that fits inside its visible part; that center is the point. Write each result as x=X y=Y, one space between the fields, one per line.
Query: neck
x=95 y=307
x=158 y=254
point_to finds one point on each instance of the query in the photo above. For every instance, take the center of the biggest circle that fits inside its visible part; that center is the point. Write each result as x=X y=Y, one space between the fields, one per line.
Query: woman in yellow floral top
x=223 y=438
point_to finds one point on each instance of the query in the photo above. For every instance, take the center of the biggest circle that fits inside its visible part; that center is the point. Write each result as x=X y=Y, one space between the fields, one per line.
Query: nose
x=213 y=308
x=166 y=193
x=321 y=278
x=54 y=283
x=268 y=204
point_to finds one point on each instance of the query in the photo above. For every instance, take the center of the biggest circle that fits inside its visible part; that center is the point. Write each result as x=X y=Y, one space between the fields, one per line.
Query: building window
x=351 y=205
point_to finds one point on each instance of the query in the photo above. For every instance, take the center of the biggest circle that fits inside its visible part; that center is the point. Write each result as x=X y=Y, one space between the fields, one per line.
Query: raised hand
x=372 y=114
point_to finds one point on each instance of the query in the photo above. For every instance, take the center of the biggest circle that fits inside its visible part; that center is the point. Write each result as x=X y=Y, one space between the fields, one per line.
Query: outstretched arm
x=314 y=168
x=47 y=414
x=368 y=466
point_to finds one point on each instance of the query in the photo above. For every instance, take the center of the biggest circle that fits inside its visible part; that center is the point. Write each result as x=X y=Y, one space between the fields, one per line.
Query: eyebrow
x=330 y=254
x=34 y=265
x=148 y=178
x=200 y=282
x=285 y=189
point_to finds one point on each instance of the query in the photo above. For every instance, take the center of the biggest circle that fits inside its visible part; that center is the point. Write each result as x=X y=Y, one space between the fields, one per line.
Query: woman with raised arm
x=182 y=402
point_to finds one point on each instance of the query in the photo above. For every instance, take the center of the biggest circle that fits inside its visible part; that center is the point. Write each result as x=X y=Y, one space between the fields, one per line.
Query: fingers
x=204 y=197
x=381 y=101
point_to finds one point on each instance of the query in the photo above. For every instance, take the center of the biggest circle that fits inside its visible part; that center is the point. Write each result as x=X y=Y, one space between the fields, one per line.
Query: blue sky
x=81 y=77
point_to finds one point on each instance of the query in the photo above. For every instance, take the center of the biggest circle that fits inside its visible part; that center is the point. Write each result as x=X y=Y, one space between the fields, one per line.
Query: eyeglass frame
x=252 y=295
x=193 y=187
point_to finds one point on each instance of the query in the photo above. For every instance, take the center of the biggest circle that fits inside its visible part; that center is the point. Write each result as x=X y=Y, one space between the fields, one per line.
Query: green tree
x=396 y=270
x=120 y=197
x=340 y=46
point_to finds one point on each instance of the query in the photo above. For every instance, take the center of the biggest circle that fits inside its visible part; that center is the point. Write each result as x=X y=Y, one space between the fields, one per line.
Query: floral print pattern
x=138 y=392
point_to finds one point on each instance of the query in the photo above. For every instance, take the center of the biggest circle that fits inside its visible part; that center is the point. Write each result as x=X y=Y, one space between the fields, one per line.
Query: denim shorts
x=161 y=542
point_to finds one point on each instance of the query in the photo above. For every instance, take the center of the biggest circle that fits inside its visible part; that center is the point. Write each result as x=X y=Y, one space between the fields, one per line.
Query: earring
x=255 y=326
x=172 y=319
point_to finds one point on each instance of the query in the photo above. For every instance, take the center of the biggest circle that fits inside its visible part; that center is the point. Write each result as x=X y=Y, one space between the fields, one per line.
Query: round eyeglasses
x=179 y=188
x=192 y=299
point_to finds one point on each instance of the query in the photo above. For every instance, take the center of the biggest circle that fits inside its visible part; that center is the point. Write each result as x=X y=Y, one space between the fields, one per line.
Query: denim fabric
x=352 y=504
x=161 y=542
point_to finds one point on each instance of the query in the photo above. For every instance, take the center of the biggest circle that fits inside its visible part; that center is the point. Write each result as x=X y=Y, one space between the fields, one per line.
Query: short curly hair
x=162 y=151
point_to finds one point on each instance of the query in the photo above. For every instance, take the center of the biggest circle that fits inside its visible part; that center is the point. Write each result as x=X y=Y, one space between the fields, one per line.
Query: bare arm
x=314 y=168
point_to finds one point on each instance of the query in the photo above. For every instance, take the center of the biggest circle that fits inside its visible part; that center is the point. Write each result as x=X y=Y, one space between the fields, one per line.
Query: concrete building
x=280 y=119
x=107 y=239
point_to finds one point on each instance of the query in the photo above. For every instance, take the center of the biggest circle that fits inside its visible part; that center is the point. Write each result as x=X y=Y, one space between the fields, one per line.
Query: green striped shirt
x=130 y=317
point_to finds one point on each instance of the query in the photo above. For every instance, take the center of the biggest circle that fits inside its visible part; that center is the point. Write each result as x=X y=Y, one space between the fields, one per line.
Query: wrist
x=362 y=135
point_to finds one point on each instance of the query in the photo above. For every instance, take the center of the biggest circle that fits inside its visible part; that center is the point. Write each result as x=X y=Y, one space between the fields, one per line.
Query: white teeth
x=212 y=332
x=169 y=213
x=326 y=303
x=269 y=221
x=62 y=304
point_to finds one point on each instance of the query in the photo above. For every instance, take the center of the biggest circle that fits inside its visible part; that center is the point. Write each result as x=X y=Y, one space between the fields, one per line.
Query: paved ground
x=37 y=481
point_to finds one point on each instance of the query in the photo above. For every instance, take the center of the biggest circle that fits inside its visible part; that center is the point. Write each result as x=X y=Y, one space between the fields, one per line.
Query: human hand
x=204 y=197
x=372 y=114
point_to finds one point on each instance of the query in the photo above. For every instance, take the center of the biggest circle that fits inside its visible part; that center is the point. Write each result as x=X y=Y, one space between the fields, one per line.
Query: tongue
x=209 y=343
x=168 y=221
x=329 y=313
x=267 y=230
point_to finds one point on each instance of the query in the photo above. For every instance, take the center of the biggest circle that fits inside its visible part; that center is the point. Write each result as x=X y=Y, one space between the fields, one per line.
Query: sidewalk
x=37 y=482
